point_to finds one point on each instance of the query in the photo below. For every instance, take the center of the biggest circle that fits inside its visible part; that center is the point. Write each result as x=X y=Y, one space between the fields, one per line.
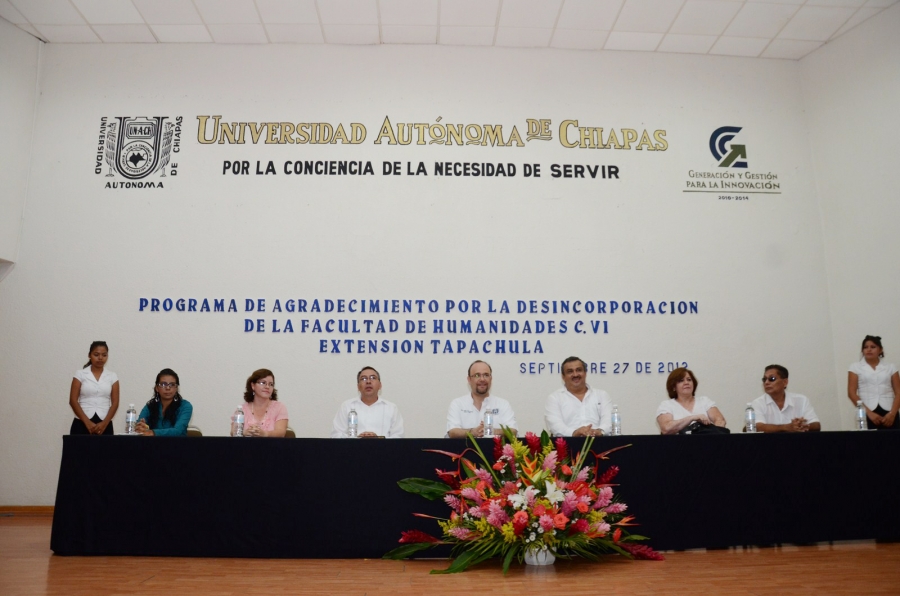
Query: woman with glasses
x=264 y=416
x=167 y=414
x=877 y=384
x=94 y=395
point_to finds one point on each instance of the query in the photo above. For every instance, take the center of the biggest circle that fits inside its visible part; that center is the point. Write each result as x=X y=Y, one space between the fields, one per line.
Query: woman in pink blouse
x=264 y=415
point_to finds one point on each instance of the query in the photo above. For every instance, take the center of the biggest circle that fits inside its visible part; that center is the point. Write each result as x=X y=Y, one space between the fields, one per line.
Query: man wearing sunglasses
x=780 y=411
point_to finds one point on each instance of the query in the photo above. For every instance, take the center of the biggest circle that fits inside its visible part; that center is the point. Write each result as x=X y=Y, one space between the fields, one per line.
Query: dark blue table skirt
x=321 y=498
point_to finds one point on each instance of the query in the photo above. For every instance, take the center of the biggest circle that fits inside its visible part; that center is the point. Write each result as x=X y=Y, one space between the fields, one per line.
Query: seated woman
x=264 y=416
x=167 y=414
x=682 y=408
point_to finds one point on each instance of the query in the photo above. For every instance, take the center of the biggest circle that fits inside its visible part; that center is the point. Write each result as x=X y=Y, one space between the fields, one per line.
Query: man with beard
x=577 y=410
x=466 y=413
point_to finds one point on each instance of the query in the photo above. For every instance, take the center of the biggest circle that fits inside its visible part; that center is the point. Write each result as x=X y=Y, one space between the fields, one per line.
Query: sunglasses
x=770 y=378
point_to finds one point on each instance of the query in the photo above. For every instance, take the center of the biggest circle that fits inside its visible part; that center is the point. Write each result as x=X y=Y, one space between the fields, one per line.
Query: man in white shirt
x=577 y=410
x=778 y=411
x=466 y=413
x=377 y=417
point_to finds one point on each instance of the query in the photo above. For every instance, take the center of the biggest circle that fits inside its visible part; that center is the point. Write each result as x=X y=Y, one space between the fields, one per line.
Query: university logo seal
x=136 y=148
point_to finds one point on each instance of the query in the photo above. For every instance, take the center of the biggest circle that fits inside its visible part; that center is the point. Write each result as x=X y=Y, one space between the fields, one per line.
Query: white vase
x=542 y=556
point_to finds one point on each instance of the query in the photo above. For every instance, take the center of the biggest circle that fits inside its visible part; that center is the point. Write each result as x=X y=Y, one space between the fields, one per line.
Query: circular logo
x=136 y=158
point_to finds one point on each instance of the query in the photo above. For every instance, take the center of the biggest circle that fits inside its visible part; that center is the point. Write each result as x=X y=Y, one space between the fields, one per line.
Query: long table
x=322 y=498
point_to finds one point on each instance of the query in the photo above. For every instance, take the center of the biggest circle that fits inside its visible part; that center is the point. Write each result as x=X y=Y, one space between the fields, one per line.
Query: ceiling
x=785 y=29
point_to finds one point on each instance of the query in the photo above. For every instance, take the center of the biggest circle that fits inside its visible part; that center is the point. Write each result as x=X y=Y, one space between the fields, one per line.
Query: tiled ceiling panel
x=773 y=29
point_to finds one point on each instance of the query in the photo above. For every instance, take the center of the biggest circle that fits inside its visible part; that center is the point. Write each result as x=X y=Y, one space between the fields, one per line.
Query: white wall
x=19 y=59
x=88 y=254
x=851 y=90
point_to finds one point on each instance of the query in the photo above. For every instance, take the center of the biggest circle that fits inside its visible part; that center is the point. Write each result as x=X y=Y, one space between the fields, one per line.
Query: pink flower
x=550 y=461
x=509 y=452
x=582 y=474
x=616 y=508
x=546 y=522
x=476 y=512
x=484 y=475
x=471 y=494
x=601 y=528
x=509 y=488
x=604 y=496
x=452 y=501
x=461 y=533
x=497 y=516
x=569 y=503
x=529 y=496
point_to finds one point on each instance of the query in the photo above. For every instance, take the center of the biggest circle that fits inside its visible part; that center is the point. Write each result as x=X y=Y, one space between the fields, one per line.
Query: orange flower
x=560 y=521
x=566 y=470
x=582 y=507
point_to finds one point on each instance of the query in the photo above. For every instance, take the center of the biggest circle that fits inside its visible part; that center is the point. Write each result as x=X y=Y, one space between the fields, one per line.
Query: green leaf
x=508 y=559
x=406 y=550
x=463 y=562
x=430 y=489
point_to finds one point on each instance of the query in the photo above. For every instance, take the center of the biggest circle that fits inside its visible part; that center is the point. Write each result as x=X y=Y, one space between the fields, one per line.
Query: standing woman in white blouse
x=682 y=408
x=94 y=396
x=877 y=384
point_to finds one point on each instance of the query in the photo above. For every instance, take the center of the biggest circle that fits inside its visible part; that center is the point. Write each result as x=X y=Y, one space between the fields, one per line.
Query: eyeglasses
x=166 y=385
x=481 y=376
x=266 y=384
x=771 y=379
x=372 y=378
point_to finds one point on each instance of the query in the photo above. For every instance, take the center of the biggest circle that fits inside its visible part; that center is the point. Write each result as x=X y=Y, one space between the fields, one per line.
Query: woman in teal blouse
x=167 y=414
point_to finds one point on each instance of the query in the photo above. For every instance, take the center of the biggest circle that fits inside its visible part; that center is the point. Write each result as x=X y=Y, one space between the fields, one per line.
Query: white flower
x=540 y=530
x=554 y=495
x=517 y=500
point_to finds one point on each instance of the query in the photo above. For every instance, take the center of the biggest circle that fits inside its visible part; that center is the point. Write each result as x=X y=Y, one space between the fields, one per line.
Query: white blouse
x=874 y=385
x=671 y=406
x=95 y=396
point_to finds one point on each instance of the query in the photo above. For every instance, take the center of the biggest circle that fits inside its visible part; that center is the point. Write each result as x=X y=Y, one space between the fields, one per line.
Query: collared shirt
x=164 y=428
x=563 y=412
x=795 y=406
x=463 y=413
x=874 y=387
x=382 y=418
x=95 y=396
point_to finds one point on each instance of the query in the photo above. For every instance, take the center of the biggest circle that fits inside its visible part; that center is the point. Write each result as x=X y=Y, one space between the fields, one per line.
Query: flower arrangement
x=534 y=498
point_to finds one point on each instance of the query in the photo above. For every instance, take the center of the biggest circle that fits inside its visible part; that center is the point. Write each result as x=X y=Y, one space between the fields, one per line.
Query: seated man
x=779 y=411
x=377 y=417
x=466 y=413
x=577 y=410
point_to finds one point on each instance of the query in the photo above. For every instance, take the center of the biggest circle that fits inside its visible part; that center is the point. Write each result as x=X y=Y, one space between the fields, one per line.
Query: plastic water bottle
x=861 y=416
x=616 y=422
x=750 y=419
x=130 y=419
x=352 y=424
x=489 y=423
x=237 y=423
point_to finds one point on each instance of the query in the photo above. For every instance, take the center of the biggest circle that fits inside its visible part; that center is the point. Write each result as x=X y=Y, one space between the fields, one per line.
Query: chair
x=194 y=431
x=289 y=433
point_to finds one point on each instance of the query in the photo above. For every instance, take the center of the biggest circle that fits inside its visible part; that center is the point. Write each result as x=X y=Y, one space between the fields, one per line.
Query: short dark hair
x=261 y=373
x=479 y=362
x=562 y=366
x=875 y=339
x=678 y=375
x=782 y=371
x=377 y=374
